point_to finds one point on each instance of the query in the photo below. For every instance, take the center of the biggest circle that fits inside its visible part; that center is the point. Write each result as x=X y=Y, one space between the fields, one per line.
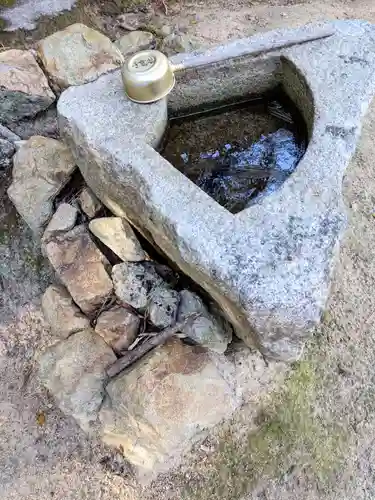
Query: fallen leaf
x=41 y=418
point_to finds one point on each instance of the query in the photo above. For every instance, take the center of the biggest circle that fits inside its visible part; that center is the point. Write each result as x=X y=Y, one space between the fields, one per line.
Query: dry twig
x=153 y=341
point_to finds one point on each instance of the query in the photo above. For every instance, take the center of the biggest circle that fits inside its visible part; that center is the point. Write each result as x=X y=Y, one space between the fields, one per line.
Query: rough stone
x=157 y=25
x=8 y=135
x=89 y=203
x=81 y=267
x=178 y=42
x=117 y=234
x=42 y=167
x=118 y=327
x=7 y=150
x=132 y=21
x=24 y=89
x=44 y=123
x=269 y=267
x=155 y=411
x=135 y=41
x=76 y=55
x=73 y=370
x=61 y=313
x=63 y=220
x=134 y=283
x=206 y=330
x=163 y=306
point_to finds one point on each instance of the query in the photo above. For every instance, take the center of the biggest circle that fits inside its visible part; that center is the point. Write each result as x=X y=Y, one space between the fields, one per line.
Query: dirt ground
x=317 y=431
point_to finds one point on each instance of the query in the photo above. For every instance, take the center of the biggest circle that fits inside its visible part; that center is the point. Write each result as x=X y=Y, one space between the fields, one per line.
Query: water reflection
x=255 y=149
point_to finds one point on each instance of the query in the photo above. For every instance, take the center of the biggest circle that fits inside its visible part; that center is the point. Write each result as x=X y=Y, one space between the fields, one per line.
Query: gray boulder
x=45 y=124
x=163 y=306
x=139 y=285
x=24 y=89
x=73 y=371
x=6 y=133
x=134 y=283
x=42 y=167
x=207 y=330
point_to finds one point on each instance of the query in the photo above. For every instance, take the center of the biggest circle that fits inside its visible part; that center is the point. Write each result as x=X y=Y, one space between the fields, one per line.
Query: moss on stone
x=3 y=24
x=291 y=433
x=7 y=3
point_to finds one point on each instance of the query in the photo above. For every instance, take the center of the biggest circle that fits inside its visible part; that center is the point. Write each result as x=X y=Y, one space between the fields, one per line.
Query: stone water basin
x=268 y=265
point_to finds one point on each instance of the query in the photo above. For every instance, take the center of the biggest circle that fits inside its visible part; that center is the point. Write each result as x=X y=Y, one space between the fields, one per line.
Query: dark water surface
x=240 y=152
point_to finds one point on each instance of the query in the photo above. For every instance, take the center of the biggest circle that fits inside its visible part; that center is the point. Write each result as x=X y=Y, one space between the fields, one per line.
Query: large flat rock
x=269 y=266
x=154 y=411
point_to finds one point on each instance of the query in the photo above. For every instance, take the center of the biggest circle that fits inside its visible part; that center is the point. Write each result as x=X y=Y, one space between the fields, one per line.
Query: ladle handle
x=240 y=50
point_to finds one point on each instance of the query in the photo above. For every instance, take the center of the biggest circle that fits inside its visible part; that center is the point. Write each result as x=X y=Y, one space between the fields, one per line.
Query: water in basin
x=239 y=152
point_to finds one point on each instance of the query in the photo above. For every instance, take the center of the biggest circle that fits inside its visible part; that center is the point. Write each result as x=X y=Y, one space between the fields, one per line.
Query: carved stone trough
x=269 y=266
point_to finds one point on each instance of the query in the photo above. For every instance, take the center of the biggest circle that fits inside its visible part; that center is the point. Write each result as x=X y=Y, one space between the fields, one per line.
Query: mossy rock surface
x=7 y=3
x=290 y=434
